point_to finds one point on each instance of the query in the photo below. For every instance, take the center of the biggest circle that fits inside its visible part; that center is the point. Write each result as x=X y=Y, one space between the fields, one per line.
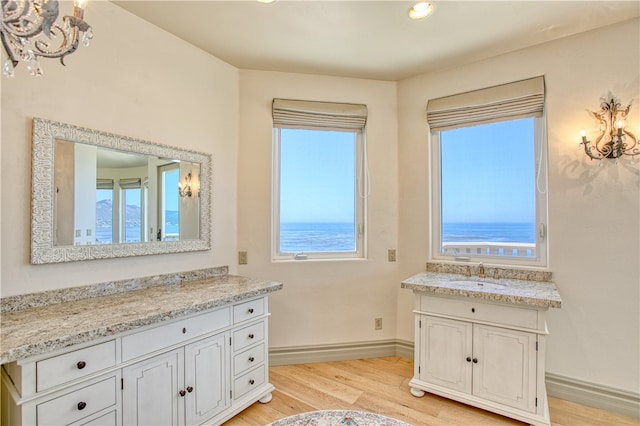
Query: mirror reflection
x=105 y=196
x=98 y=195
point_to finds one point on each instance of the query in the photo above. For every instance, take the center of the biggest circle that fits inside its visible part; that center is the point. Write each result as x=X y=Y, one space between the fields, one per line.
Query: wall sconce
x=29 y=31
x=614 y=140
x=184 y=189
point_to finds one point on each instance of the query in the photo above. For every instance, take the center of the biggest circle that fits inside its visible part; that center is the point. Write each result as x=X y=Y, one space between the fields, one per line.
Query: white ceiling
x=372 y=39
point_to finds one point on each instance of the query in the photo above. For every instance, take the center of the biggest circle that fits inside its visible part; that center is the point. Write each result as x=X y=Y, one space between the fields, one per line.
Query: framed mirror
x=97 y=195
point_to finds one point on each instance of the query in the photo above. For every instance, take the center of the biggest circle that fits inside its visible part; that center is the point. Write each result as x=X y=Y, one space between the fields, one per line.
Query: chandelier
x=29 y=31
x=613 y=140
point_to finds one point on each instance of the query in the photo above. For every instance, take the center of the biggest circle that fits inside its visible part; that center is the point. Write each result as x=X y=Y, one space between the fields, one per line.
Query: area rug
x=338 y=418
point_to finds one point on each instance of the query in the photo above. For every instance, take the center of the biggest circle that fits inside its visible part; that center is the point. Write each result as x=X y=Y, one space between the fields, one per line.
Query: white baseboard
x=339 y=352
x=593 y=395
x=589 y=394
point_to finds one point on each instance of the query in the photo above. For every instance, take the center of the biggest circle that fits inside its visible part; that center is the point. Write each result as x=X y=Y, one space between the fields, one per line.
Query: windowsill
x=315 y=260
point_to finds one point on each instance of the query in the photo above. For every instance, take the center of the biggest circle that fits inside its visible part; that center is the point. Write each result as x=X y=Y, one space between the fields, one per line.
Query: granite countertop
x=39 y=329
x=503 y=289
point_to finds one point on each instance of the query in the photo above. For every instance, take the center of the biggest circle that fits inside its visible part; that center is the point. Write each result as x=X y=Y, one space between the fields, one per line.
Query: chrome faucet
x=481 y=273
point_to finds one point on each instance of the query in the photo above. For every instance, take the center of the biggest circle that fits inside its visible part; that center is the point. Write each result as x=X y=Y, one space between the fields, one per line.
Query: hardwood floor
x=380 y=385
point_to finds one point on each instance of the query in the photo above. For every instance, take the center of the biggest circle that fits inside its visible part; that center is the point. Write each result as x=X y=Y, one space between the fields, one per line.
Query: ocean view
x=329 y=237
x=317 y=237
x=489 y=232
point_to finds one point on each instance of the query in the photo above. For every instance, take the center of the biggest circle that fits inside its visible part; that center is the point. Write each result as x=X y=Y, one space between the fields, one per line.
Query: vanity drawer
x=248 y=310
x=248 y=335
x=248 y=359
x=153 y=339
x=480 y=311
x=74 y=365
x=247 y=382
x=76 y=405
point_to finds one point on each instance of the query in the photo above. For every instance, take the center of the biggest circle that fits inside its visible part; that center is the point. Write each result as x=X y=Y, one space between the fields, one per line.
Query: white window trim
x=435 y=208
x=360 y=200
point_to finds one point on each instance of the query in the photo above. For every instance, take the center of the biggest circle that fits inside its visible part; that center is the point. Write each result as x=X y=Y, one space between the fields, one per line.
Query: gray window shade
x=293 y=113
x=520 y=99
x=129 y=183
x=104 y=184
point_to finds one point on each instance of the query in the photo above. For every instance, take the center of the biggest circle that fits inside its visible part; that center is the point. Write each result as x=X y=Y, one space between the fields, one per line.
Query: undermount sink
x=480 y=285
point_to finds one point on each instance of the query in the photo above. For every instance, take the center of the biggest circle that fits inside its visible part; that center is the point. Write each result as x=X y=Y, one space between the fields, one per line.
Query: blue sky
x=314 y=169
x=488 y=173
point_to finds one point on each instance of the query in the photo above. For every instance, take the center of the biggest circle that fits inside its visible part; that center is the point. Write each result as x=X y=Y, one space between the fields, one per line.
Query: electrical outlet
x=377 y=323
x=242 y=258
x=391 y=254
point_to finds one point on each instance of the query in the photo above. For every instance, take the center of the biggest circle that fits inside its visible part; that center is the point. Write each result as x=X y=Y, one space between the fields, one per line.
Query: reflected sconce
x=184 y=189
x=29 y=31
x=613 y=140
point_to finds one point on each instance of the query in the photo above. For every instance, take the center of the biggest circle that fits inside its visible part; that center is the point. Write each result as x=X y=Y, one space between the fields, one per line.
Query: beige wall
x=594 y=228
x=322 y=301
x=145 y=83
x=138 y=81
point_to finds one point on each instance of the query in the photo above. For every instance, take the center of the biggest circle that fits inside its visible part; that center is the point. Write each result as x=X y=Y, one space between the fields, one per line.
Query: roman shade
x=510 y=101
x=133 y=183
x=104 y=184
x=294 y=113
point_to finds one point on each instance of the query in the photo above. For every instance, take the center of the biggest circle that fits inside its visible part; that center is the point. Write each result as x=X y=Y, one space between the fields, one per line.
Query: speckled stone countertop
x=502 y=288
x=38 y=329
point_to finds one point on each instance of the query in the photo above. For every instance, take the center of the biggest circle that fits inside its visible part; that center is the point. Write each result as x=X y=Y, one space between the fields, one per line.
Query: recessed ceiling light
x=420 y=10
x=266 y=1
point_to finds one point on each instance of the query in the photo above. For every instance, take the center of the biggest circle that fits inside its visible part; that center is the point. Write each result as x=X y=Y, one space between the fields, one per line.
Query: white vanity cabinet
x=79 y=387
x=183 y=386
x=199 y=369
x=490 y=355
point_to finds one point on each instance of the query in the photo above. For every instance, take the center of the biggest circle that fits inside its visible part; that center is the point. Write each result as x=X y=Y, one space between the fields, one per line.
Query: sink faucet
x=481 y=270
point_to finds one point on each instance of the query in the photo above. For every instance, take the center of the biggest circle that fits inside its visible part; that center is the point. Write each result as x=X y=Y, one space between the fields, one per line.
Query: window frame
x=360 y=204
x=541 y=201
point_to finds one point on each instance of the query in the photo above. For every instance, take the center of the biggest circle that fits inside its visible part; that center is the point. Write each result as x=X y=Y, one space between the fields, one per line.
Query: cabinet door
x=207 y=369
x=445 y=346
x=151 y=390
x=506 y=367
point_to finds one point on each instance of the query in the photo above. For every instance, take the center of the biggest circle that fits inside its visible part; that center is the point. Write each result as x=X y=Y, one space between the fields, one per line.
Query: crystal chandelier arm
x=68 y=44
x=20 y=23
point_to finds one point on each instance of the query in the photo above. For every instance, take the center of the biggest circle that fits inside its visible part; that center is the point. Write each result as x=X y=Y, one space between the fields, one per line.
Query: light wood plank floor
x=381 y=385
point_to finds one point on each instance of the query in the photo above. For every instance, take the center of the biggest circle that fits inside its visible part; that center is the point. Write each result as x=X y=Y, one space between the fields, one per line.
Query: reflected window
x=131 y=210
x=169 y=213
x=104 y=211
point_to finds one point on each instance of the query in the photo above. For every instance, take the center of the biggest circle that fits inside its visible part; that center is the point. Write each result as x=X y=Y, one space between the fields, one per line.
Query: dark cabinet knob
x=251 y=336
x=81 y=365
x=182 y=393
x=468 y=359
x=82 y=405
x=190 y=389
x=251 y=359
x=475 y=360
x=250 y=310
x=473 y=309
x=184 y=330
x=251 y=381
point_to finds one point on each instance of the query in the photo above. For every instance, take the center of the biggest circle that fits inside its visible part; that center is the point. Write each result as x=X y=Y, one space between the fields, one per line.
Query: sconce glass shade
x=613 y=140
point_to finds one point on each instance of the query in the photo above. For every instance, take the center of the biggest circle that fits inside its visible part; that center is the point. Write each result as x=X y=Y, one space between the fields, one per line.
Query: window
x=488 y=176
x=318 y=187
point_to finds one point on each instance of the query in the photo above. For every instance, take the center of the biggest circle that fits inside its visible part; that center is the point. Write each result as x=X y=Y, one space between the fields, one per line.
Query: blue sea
x=317 y=237
x=489 y=232
x=104 y=233
x=332 y=237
